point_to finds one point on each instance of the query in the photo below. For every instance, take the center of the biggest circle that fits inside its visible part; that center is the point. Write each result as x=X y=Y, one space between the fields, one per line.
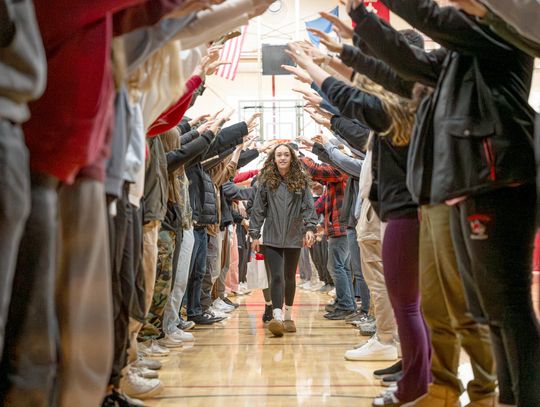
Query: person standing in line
x=284 y=203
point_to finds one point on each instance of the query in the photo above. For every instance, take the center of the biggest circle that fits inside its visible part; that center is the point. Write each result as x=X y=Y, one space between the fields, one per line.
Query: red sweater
x=244 y=176
x=70 y=121
x=174 y=114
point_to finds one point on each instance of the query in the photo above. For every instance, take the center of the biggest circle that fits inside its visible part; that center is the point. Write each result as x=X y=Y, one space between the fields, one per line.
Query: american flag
x=231 y=53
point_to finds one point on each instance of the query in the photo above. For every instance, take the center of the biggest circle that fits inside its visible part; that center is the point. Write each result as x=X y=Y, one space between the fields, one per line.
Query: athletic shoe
x=338 y=314
x=152 y=348
x=387 y=400
x=205 y=319
x=373 y=350
x=330 y=307
x=135 y=386
x=289 y=326
x=276 y=327
x=326 y=288
x=229 y=302
x=332 y=293
x=185 y=325
x=395 y=368
x=220 y=305
x=144 y=372
x=355 y=316
x=182 y=336
x=368 y=329
x=217 y=313
x=123 y=400
x=267 y=316
x=146 y=362
x=391 y=380
x=170 y=342
x=316 y=286
x=366 y=319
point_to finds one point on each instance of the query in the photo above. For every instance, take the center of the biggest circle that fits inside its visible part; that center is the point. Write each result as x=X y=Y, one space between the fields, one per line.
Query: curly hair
x=296 y=179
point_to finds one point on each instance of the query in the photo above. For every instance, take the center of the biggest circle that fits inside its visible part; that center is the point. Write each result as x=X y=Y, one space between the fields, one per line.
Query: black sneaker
x=338 y=314
x=267 y=316
x=356 y=315
x=391 y=380
x=229 y=302
x=330 y=307
x=395 y=368
x=123 y=400
x=205 y=319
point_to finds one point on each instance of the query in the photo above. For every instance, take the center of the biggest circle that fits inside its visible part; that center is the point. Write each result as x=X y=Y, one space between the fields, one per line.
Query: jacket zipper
x=490 y=157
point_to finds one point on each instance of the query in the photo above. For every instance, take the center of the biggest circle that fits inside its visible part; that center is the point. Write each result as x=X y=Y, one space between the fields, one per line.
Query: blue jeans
x=360 y=288
x=197 y=272
x=339 y=259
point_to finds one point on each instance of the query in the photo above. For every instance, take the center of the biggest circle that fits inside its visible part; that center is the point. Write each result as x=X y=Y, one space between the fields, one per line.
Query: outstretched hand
x=326 y=40
x=340 y=27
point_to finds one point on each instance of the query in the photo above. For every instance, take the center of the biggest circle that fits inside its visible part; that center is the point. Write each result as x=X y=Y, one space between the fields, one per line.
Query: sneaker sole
x=149 y=394
x=156 y=355
x=276 y=328
x=382 y=358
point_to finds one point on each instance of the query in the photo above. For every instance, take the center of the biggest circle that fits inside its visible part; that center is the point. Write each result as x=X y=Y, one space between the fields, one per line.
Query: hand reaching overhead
x=341 y=27
x=299 y=74
x=310 y=97
x=331 y=44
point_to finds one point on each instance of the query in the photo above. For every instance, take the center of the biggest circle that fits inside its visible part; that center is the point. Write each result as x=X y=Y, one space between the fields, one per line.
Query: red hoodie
x=69 y=123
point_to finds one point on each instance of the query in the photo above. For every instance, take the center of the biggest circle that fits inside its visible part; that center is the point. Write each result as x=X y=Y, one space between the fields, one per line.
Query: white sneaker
x=136 y=386
x=144 y=372
x=373 y=350
x=217 y=313
x=220 y=305
x=315 y=286
x=170 y=342
x=147 y=363
x=152 y=348
x=332 y=293
x=182 y=336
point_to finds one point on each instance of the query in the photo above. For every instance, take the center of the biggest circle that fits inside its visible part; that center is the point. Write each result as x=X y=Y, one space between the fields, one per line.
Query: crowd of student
x=116 y=209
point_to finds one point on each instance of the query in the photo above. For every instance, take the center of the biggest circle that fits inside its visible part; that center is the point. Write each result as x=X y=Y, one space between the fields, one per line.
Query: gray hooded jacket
x=287 y=216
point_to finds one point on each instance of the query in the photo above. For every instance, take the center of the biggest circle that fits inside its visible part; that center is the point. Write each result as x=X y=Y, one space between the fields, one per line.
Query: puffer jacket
x=202 y=196
x=287 y=216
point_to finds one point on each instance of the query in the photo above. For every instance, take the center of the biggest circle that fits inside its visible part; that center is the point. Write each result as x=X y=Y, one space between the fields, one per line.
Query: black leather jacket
x=286 y=215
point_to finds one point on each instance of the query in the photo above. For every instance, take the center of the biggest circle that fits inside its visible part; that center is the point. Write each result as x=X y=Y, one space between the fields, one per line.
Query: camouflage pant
x=164 y=277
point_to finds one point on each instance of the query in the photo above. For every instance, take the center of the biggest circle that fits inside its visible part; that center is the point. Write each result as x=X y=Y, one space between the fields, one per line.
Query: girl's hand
x=309 y=239
x=256 y=246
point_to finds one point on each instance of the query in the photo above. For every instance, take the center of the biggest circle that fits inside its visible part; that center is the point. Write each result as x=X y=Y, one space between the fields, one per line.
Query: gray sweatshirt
x=23 y=68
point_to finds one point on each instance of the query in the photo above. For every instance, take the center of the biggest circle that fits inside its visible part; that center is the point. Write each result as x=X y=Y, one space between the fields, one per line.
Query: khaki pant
x=445 y=310
x=368 y=233
x=84 y=295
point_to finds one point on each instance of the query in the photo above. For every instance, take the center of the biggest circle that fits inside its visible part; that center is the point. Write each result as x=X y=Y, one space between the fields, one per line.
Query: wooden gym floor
x=238 y=363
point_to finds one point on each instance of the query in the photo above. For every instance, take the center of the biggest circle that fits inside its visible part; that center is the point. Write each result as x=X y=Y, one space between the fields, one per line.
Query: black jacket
x=202 y=196
x=393 y=196
x=479 y=119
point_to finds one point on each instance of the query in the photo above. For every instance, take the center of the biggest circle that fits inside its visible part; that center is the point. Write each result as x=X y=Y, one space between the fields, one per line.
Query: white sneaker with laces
x=182 y=336
x=145 y=372
x=217 y=313
x=170 y=342
x=152 y=348
x=220 y=305
x=373 y=350
x=147 y=363
x=136 y=386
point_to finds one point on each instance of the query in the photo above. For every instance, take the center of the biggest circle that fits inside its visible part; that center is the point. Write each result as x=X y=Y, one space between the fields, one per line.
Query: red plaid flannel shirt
x=335 y=182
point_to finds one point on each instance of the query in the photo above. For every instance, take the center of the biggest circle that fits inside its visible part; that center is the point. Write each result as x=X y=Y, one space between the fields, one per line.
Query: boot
x=437 y=396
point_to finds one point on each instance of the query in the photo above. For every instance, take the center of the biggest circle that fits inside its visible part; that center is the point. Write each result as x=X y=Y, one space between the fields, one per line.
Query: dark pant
x=123 y=280
x=319 y=255
x=243 y=255
x=360 y=286
x=281 y=263
x=400 y=259
x=197 y=272
x=29 y=361
x=14 y=209
x=493 y=235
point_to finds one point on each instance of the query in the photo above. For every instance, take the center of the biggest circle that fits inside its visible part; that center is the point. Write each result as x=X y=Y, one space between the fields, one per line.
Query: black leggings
x=281 y=266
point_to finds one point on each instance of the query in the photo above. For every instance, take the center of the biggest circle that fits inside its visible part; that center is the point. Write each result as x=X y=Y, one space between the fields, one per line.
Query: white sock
x=288 y=312
x=269 y=303
x=277 y=314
